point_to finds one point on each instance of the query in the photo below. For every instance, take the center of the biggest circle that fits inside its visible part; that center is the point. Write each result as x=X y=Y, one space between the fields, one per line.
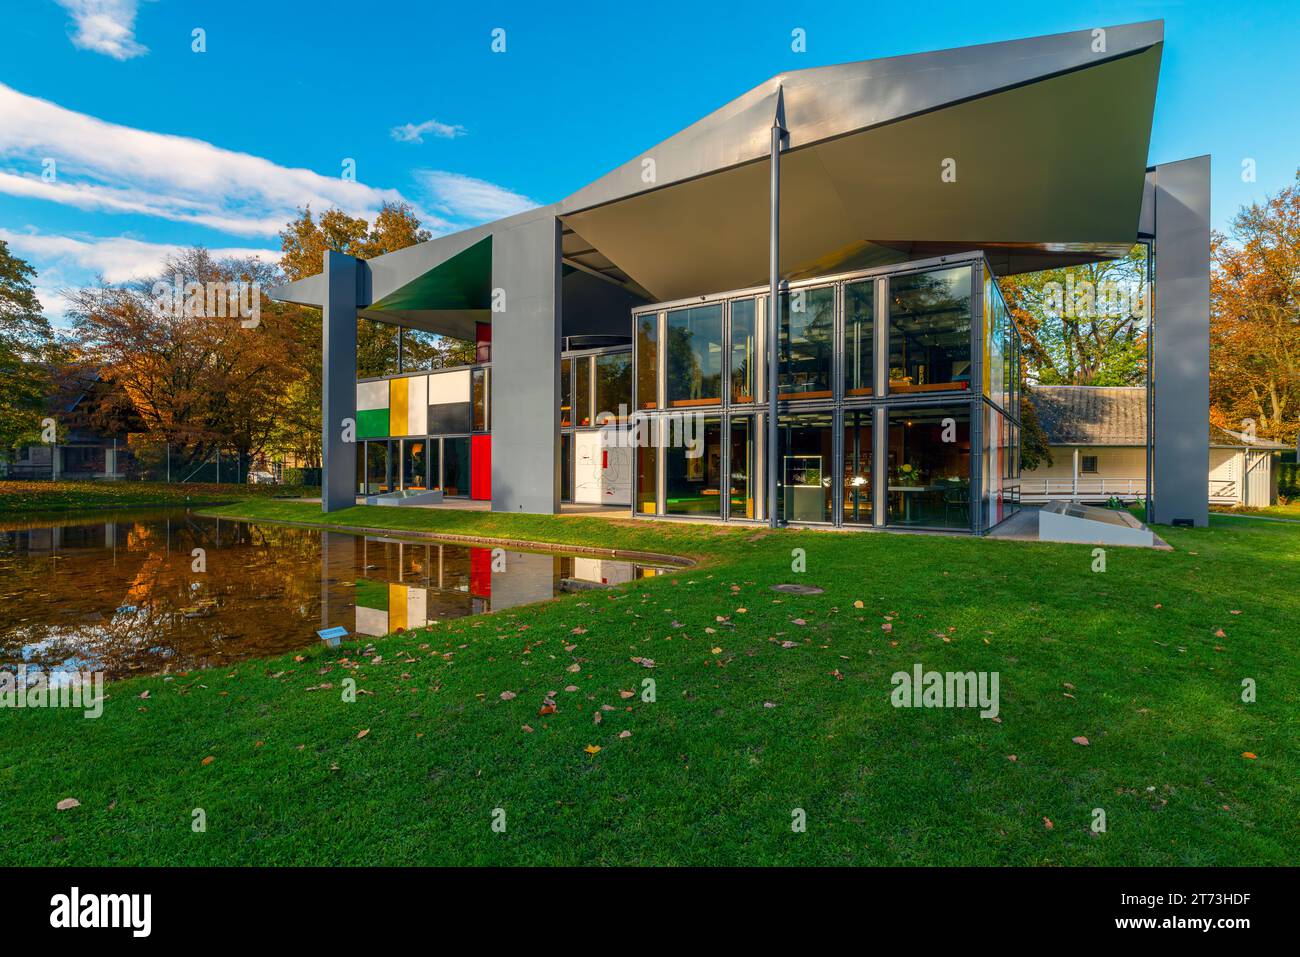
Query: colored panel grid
x=372 y=423
x=480 y=469
x=445 y=387
x=417 y=405
x=372 y=395
x=397 y=392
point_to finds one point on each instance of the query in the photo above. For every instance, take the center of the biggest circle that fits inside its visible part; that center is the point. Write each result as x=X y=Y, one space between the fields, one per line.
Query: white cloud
x=105 y=26
x=465 y=198
x=116 y=258
x=414 y=132
x=110 y=167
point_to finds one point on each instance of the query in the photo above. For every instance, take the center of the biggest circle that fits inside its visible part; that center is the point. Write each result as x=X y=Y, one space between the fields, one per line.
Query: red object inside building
x=482 y=342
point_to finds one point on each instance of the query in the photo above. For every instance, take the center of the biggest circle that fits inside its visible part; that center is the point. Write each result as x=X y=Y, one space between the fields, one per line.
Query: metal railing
x=1086 y=489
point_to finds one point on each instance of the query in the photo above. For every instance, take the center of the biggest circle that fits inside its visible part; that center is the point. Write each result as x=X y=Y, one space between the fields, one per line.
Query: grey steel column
x=526 y=368
x=1181 y=343
x=338 y=380
x=773 y=320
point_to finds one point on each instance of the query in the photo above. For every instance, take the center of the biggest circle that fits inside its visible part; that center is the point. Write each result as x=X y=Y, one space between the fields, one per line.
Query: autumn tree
x=1255 y=319
x=198 y=379
x=1083 y=325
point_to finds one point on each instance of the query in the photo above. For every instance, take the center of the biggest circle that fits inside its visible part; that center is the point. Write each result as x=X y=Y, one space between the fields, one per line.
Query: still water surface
x=124 y=592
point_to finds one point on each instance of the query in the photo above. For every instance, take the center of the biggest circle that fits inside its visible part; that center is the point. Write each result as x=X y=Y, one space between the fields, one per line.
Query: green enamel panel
x=372 y=423
x=463 y=282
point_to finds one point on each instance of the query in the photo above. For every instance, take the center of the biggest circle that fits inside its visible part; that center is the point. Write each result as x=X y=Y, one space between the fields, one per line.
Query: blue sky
x=156 y=146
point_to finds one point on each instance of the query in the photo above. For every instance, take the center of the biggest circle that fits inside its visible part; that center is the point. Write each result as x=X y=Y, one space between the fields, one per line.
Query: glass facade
x=806 y=456
x=741 y=468
x=566 y=393
x=858 y=504
x=455 y=466
x=647 y=480
x=744 y=350
x=415 y=464
x=929 y=467
x=898 y=401
x=694 y=356
x=582 y=391
x=859 y=345
x=647 y=360
x=479 y=400
x=613 y=386
x=693 y=467
x=930 y=331
x=807 y=336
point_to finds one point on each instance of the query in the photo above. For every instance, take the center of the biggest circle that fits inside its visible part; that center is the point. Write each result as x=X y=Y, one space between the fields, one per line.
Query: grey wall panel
x=1181 y=342
x=342 y=277
x=526 y=367
x=450 y=417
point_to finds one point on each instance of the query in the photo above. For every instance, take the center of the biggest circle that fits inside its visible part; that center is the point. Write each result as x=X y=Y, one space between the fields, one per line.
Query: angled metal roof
x=1049 y=137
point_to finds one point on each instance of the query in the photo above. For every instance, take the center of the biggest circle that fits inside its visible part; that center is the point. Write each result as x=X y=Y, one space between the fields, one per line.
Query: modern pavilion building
x=625 y=337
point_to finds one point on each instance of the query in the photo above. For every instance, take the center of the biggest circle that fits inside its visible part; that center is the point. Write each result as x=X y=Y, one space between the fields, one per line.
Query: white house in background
x=1098 y=438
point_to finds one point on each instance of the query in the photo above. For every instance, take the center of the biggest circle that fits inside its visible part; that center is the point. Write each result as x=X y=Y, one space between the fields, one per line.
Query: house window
x=807 y=343
x=1088 y=464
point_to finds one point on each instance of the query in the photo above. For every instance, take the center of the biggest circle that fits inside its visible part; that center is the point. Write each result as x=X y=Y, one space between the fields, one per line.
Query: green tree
x=26 y=350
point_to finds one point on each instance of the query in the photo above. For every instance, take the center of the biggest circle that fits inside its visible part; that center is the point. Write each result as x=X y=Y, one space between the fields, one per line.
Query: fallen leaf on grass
x=362 y=733
x=1047 y=822
x=858 y=603
x=626 y=694
x=1080 y=740
x=508 y=696
x=592 y=748
x=625 y=734
x=208 y=760
x=1250 y=755
x=67 y=804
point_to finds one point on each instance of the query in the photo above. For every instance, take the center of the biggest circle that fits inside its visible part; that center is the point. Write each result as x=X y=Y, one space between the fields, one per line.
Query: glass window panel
x=930 y=331
x=742 y=467
x=415 y=464
x=647 y=479
x=693 y=467
x=582 y=390
x=857 y=467
x=435 y=463
x=479 y=387
x=859 y=326
x=566 y=467
x=613 y=386
x=806 y=444
x=929 y=467
x=694 y=356
x=807 y=341
x=743 y=345
x=455 y=474
x=993 y=466
x=647 y=360
x=376 y=467
x=566 y=393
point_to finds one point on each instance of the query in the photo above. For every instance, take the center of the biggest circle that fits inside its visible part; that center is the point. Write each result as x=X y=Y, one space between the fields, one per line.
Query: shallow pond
x=127 y=593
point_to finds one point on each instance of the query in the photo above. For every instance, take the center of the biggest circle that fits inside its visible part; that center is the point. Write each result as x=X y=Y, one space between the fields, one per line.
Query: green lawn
x=743 y=731
x=1291 y=510
x=28 y=497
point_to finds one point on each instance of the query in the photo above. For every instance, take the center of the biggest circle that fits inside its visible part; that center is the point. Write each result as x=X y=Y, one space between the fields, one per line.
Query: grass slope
x=711 y=773
x=25 y=498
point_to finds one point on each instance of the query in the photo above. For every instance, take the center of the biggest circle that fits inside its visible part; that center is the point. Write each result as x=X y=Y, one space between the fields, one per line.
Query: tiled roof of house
x=1111 y=415
x=1092 y=415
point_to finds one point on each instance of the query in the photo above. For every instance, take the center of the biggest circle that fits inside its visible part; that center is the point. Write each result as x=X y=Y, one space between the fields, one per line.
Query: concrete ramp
x=1086 y=524
x=403 y=498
